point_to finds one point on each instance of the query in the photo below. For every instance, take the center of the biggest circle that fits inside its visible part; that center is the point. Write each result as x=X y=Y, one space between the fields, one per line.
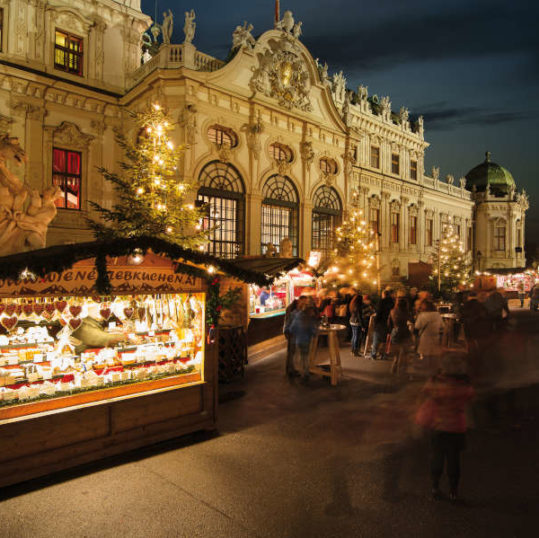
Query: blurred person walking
x=444 y=413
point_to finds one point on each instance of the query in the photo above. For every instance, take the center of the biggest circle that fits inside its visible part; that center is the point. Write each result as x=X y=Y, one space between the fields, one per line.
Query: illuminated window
x=429 y=229
x=328 y=166
x=280 y=152
x=222 y=196
x=279 y=219
x=395 y=225
x=413 y=230
x=222 y=136
x=68 y=53
x=395 y=163
x=499 y=237
x=66 y=173
x=327 y=216
x=375 y=157
x=374 y=219
x=413 y=169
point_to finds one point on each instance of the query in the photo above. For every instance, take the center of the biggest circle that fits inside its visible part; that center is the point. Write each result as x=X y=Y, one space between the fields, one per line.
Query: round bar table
x=315 y=364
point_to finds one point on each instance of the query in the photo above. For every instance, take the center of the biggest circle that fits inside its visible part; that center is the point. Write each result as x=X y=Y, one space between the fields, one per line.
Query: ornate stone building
x=275 y=146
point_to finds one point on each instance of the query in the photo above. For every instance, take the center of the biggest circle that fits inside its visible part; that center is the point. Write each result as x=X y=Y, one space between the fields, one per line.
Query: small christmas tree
x=151 y=197
x=451 y=267
x=355 y=254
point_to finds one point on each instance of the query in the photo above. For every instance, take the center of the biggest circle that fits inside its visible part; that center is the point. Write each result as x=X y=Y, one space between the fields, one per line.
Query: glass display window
x=58 y=352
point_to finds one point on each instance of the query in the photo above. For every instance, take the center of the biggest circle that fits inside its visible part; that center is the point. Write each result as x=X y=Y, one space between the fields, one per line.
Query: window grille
x=66 y=174
x=68 y=53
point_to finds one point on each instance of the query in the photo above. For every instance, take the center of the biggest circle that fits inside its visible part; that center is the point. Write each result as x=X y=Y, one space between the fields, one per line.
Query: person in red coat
x=448 y=394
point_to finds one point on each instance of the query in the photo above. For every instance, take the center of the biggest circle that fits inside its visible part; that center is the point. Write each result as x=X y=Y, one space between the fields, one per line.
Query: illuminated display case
x=84 y=376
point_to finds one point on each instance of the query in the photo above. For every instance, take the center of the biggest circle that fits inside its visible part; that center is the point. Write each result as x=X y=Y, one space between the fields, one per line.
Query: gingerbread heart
x=128 y=312
x=49 y=307
x=10 y=308
x=9 y=323
x=28 y=309
x=74 y=323
x=60 y=306
x=38 y=309
x=75 y=310
x=105 y=313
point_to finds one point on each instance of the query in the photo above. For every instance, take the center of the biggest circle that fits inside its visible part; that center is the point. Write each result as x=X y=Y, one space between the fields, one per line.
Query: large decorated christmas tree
x=451 y=266
x=150 y=194
x=354 y=261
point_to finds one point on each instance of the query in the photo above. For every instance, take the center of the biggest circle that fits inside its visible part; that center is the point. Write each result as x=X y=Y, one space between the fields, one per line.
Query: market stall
x=109 y=354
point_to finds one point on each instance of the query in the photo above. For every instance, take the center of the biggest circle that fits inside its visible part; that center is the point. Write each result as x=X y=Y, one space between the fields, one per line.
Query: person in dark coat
x=380 y=322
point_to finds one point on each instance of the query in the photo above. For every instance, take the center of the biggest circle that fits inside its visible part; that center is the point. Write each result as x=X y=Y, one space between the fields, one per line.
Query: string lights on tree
x=354 y=261
x=151 y=198
x=451 y=266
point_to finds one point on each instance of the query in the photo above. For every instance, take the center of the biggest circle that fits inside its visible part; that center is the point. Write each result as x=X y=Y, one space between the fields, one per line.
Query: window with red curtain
x=66 y=173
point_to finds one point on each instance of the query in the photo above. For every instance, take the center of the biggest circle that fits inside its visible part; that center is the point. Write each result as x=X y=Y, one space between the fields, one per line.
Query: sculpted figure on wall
x=189 y=26
x=24 y=214
x=242 y=37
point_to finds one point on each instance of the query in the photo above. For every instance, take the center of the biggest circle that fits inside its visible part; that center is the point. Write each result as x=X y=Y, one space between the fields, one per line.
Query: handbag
x=427 y=414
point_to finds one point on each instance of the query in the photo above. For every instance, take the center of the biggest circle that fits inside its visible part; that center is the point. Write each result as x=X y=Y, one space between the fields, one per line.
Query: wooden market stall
x=103 y=348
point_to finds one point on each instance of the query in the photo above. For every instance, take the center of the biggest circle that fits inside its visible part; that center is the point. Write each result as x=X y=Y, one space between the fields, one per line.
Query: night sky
x=470 y=67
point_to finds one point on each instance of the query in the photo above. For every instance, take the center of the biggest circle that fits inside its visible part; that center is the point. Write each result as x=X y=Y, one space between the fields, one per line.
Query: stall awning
x=59 y=258
x=272 y=267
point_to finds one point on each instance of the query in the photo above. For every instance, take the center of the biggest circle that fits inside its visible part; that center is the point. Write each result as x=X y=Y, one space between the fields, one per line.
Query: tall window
x=499 y=237
x=68 y=53
x=413 y=169
x=395 y=163
x=1 y=27
x=413 y=230
x=280 y=152
x=429 y=232
x=222 y=136
x=395 y=222
x=327 y=215
x=279 y=213
x=66 y=173
x=375 y=157
x=222 y=195
x=374 y=219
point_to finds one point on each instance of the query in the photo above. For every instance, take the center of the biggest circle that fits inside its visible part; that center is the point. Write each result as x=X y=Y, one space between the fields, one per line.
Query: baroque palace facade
x=275 y=147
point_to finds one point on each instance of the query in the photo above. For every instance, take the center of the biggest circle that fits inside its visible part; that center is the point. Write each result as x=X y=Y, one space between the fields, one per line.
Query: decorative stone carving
x=167 y=25
x=69 y=135
x=242 y=37
x=307 y=153
x=339 y=86
x=24 y=213
x=435 y=173
x=253 y=131
x=282 y=74
x=189 y=26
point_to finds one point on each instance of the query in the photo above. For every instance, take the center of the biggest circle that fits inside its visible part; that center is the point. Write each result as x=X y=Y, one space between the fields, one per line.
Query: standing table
x=315 y=364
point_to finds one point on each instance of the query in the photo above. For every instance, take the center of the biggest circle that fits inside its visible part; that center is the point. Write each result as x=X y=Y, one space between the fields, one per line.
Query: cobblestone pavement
x=312 y=461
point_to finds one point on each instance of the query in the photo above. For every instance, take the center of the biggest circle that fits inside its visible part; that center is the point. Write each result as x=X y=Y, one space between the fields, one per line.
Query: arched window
x=280 y=204
x=328 y=166
x=222 y=194
x=327 y=216
x=280 y=152
x=222 y=136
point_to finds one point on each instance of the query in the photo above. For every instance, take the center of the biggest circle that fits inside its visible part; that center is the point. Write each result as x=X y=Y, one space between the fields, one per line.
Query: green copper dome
x=490 y=174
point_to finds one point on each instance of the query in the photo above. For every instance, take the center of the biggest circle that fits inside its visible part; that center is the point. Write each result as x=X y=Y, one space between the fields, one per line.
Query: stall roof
x=268 y=266
x=59 y=258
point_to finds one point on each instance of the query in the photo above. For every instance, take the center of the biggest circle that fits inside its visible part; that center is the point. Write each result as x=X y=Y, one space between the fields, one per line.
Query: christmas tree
x=150 y=195
x=355 y=254
x=451 y=267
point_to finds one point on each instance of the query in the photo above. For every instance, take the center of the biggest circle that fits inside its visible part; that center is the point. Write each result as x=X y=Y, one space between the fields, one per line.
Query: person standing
x=428 y=327
x=447 y=396
x=356 y=322
x=303 y=329
x=380 y=322
x=401 y=337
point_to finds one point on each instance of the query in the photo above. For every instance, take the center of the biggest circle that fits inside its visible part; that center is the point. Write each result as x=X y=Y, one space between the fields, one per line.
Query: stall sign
x=154 y=275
